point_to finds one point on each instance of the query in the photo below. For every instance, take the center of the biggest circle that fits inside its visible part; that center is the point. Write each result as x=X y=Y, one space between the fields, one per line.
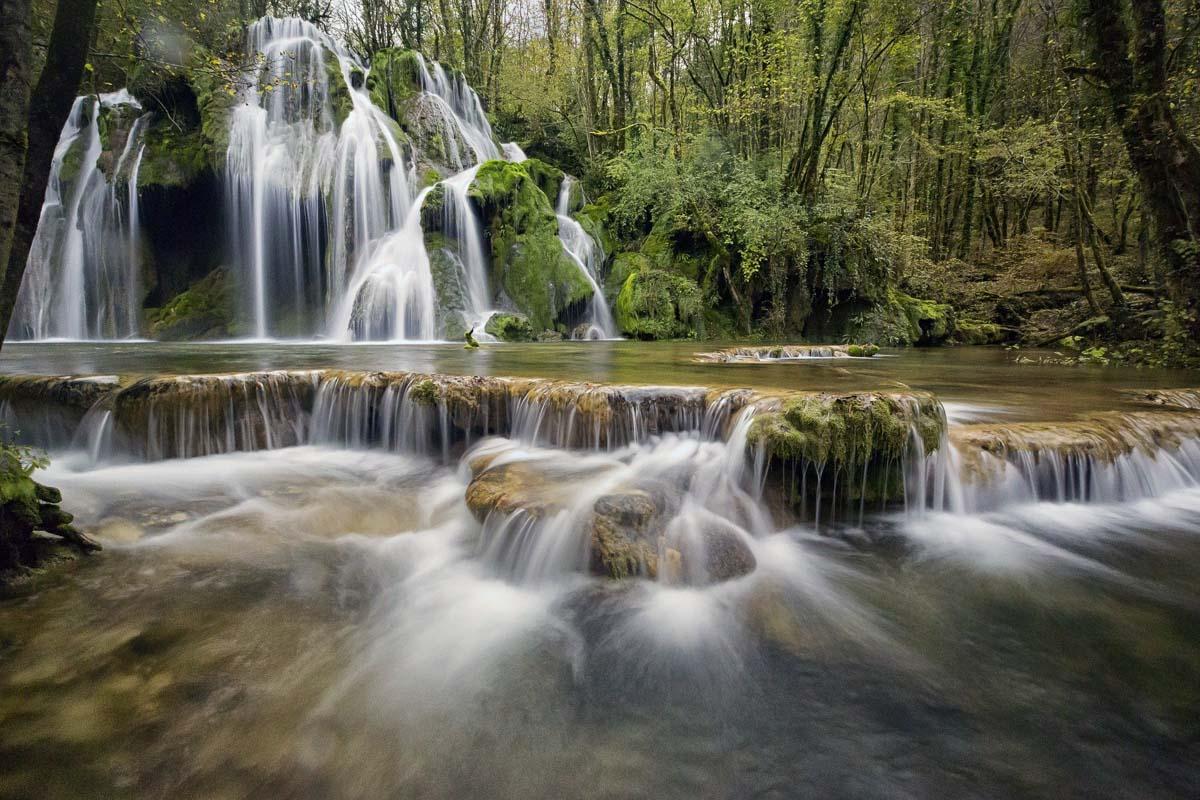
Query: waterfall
x=83 y=277
x=587 y=255
x=462 y=225
x=391 y=294
x=320 y=202
x=286 y=155
x=462 y=112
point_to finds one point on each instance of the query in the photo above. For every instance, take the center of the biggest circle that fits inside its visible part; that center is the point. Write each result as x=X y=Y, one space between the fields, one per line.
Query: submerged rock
x=739 y=355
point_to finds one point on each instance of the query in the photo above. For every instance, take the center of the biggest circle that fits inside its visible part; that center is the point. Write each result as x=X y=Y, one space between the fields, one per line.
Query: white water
x=322 y=236
x=286 y=155
x=586 y=254
x=83 y=278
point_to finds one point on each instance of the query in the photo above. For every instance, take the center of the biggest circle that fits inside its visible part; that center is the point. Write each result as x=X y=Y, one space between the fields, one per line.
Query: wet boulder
x=624 y=542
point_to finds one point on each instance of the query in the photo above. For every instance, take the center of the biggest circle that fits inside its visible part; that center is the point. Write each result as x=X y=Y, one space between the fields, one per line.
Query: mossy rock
x=863 y=436
x=547 y=177
x=447 y=286
x=509 y=327
x=623 y=265
x=203 y=311
x=672 y=246
x=856 y=443
x=340 y=101
x=394 y=79
x=215 y=100
x=528 y=261
x=970 y=331
x=172 y=158
x=655 y=304
x=594 y=218
x=928 y=322
x=862 y=350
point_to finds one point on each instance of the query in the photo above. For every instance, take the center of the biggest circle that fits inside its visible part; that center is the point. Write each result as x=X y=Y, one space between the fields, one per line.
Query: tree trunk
x=1166 y=161
x=15 y=80
x=48 y=109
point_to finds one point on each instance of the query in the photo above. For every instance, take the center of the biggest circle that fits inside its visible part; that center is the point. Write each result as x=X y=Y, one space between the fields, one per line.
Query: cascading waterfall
x=586 y=254
x=462 y=114
x=286 y=155
x=461 y=225
x=83 y=279
x=321 y=206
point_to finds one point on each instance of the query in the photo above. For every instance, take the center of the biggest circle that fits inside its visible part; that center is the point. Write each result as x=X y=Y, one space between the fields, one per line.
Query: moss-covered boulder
x=448 y=287
x=27 y=507
x=656 y=304
x=548 y=178
x=203 y=311
x=594 y=218
x=528 y=261
x=394 y=80
x=971 y=331
x=509 y=327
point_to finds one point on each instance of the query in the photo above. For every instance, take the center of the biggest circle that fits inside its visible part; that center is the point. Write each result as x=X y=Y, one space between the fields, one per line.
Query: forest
x=912 y=172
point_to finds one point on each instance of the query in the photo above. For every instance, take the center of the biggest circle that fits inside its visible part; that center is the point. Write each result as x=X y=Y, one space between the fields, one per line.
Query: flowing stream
x=304 y=592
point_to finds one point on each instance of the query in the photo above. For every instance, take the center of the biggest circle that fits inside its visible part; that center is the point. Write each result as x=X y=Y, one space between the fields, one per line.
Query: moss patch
x=547 y=177
x=395 y=78
x=203 y=311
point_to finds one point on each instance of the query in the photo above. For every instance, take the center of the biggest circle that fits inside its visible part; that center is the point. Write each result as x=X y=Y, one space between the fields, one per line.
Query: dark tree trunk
x=15 y=80
x=48 y=109
x=1166 y=161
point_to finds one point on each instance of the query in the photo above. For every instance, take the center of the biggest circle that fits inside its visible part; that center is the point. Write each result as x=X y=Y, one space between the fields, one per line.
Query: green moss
x=594 y=218
x=395 y=78
x=215 y=99
x=72 y=161
x=970 y=331
x=673 y=247
x=547 y=177
x=425 y=393
x=623 y=266
x=203 y=311
x=172 y=157
x=340 y=100
x=856 y=442
x=654 y=304
x=510 y=327
x=528 y=261
x=849 y=430
x=862 y=350
x=901 y=319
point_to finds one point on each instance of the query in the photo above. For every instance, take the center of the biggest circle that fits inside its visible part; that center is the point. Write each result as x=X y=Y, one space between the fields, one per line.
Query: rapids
x=320 y=581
